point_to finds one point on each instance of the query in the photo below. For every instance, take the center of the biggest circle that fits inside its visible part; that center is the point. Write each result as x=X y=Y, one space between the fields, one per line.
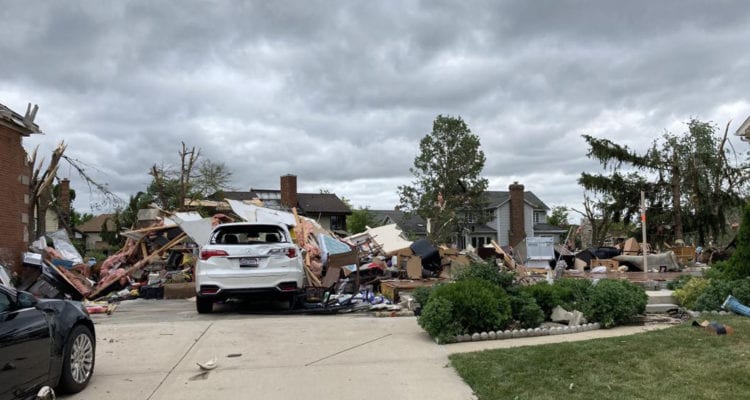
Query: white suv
x=248 y=260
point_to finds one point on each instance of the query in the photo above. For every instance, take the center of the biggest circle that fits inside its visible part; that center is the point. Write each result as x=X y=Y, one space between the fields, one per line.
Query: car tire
x=204 y=305
x=78 y=361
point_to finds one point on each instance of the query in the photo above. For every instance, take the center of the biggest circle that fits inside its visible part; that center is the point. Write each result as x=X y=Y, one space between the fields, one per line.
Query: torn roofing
x=307 y=203
x=17 y=122
x=95 y=224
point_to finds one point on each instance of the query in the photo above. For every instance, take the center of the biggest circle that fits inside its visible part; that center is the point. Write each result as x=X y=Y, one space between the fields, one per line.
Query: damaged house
x=325 y=208
x=513 y=216
x=15 y=175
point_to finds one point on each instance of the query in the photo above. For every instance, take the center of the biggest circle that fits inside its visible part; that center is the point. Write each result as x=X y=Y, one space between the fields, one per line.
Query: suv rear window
x=248 y=234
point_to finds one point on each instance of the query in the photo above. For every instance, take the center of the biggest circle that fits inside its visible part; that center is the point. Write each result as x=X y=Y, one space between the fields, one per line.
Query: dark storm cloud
x=340 y=93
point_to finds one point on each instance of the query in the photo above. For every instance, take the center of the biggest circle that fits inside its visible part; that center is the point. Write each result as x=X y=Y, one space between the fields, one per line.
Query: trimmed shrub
x=612 y=302
x=679 y=282
x=690 y=291
x=465 y=306
x=487 y=271
x=422 y=295
x=572 y=293
x=711 y=298
x=546 y=296
x=437 y=320
x=526 y=311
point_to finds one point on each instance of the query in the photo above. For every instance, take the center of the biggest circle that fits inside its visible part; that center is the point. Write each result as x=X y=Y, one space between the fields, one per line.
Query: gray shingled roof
x=327 y=203
x=495 y=198
x=94 y=225
x=412 y=223
x=547 y=228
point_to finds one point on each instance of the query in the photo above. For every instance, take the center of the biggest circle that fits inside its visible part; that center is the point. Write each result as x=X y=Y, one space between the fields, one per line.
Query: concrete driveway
x=149 y=350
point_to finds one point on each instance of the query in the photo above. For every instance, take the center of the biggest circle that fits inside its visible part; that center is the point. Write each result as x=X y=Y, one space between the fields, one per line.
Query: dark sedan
x=43 y=342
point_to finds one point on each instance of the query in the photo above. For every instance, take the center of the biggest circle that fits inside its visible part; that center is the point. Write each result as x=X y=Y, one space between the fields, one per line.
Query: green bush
x=546 y=296
x=717 y=291
x=437 y=319
x=679 y=282
x=422 y=295
x=526 y=311
x=465 y=306
x=738 y=265
x=572 y=293
x=690 y=291
x=487 y=271
x=612 y=302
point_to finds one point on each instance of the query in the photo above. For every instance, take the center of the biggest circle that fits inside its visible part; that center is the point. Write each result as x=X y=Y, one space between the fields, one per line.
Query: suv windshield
x=248 y=234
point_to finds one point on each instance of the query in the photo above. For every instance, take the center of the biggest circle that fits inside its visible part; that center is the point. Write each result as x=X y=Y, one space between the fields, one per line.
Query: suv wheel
x=78 y=364
x=204 y=305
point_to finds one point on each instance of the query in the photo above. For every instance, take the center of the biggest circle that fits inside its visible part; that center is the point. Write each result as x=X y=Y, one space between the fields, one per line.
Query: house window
x=338 y=222
x=479 y=241
x=538 y=217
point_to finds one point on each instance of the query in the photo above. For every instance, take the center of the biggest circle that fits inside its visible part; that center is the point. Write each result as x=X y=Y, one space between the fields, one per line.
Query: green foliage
x=612 y=302
x=679 y=282
x=690 y=291
x=558 y=216
x=487 y=271
x=359 y=220
x=422 y=295
x=438 y=321
x=738 y=266
x=546 y=296
x=465 y=307
x=573 y=293
x=526 y=311
x=711 y=298
x=693 y=184
x=447 y=178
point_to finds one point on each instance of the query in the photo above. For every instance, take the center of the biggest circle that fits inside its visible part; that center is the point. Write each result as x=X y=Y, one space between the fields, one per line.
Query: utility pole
x=643 y=228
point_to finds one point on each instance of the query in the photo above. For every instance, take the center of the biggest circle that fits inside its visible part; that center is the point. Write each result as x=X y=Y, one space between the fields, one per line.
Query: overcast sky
x=339 y=93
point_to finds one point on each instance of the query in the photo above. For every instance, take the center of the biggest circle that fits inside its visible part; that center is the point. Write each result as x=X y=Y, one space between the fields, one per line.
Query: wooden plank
x=107 y=282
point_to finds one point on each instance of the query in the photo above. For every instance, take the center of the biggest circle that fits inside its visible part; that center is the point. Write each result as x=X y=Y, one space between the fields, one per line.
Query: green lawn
x=682 y=362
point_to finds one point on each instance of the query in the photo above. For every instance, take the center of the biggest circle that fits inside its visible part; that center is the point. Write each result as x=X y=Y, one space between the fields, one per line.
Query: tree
x=559 y=217
x=170 y=187
x=688 y=180
x=359 y=220
x=447 y=185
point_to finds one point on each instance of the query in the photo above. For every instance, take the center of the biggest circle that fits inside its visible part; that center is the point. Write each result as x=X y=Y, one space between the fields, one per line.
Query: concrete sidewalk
x=350 y=356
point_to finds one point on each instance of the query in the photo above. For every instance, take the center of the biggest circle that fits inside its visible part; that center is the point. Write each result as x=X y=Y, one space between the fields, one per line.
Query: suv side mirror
x=26 y=300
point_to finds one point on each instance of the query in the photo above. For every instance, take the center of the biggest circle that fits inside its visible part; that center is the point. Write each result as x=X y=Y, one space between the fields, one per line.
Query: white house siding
x=92 y=239
x=528 y=219
x=503 y=224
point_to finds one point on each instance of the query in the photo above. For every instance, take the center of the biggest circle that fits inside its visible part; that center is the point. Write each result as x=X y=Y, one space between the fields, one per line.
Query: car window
x=5 y=302
x=248 y=234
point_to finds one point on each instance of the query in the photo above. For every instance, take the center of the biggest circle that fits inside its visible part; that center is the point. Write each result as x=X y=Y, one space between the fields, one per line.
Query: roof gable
x=94 y=225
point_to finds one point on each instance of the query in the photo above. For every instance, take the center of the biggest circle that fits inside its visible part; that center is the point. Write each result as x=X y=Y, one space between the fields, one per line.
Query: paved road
x=148 y=349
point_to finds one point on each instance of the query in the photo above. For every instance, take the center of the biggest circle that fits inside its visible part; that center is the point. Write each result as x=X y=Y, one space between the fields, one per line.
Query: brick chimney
x=63 y=202
x=517 y=232
x=289 y=190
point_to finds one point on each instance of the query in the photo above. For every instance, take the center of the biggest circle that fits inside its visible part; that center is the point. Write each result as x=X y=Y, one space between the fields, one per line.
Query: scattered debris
x=734 y=305
x=208 y=365
x=714 y=327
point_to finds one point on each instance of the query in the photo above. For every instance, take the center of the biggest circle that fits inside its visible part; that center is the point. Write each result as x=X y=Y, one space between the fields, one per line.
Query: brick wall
x=14 y=180
x=517 y=221
x=289 y=190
